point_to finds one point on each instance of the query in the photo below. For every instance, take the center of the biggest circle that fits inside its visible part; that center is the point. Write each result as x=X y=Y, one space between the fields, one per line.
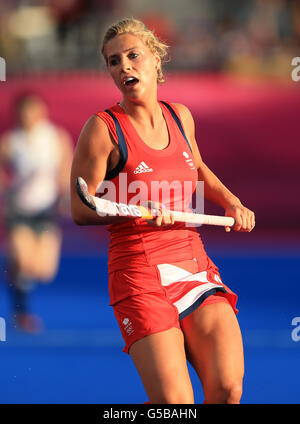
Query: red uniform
x=157 y=275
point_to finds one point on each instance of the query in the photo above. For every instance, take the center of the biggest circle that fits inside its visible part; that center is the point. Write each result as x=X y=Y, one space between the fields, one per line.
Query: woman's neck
x=143 y=112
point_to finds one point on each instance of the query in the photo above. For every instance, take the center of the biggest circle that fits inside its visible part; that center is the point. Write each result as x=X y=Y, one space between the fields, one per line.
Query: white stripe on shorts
x=193 y=295
x=171 y=273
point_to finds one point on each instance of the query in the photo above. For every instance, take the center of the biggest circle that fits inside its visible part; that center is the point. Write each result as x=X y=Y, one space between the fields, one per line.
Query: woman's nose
x=125 y=65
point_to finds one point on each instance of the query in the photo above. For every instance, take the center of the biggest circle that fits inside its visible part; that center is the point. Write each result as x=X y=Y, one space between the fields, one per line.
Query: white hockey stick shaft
x=105 y=207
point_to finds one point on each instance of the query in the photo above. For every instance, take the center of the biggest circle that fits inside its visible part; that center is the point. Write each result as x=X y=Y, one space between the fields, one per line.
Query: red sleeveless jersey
x=143 y=171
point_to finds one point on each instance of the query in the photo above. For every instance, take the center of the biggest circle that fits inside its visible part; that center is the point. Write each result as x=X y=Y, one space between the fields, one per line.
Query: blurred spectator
x=35 y=161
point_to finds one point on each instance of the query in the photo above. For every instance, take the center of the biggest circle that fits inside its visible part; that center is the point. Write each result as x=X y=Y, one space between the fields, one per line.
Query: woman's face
x=32 y=111
x=132 y=65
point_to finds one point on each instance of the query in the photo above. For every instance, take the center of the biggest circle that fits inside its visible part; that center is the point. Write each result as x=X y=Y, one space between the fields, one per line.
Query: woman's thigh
x=49 y=243
x=161 y=363
x=215 y=349
x=23 y=247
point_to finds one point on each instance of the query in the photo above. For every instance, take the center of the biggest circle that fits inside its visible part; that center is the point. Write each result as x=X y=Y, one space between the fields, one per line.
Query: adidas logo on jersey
x=142 y=167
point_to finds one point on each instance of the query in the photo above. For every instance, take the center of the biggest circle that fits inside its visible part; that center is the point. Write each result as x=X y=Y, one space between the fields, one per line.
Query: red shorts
x=162 y=295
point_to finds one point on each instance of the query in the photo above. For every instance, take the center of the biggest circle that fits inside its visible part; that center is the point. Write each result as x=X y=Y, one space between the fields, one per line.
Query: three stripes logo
x=142 y=167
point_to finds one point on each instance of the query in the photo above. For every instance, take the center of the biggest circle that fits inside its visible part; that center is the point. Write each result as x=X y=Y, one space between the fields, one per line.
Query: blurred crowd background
x=230 y=63
x=254 y=37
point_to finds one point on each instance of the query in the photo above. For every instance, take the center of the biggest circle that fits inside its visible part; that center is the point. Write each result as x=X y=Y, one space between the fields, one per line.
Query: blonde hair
x=136 y=27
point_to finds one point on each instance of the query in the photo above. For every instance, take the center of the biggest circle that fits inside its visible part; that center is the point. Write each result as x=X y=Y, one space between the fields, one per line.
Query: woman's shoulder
x=95 y=133
x=182 y=109
x=185 y=115
x=94 y=125
x=99 y=134
x=104 y=113
x=8 y=142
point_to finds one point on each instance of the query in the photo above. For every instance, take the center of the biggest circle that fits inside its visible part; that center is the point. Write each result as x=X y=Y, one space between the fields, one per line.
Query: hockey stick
x=105 y=207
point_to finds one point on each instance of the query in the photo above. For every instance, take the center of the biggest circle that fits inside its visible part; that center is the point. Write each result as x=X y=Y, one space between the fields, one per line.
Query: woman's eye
x=113 y=62
x=133 y=55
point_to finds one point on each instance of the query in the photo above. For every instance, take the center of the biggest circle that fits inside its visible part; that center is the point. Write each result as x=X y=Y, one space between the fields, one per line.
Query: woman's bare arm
x=90 y=161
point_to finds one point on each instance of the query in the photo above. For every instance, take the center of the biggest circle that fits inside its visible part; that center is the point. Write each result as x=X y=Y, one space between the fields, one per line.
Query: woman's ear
x=157 y=61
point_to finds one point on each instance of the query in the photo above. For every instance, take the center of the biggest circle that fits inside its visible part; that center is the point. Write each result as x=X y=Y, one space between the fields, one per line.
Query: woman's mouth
x=130 y=81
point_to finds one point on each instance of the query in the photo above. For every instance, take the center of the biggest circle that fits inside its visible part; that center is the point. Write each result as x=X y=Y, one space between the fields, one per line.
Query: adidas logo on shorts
x=142 y=167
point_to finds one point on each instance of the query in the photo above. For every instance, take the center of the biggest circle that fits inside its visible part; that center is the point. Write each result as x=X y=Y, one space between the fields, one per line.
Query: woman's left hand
x=164 y=217
x=244 y=218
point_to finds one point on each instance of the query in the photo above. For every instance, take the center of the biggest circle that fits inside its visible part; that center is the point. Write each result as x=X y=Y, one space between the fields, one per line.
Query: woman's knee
x=175 y=395
x=227 y=392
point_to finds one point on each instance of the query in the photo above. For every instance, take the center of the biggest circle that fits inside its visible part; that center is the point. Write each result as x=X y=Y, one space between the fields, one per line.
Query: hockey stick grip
x=195 y=218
